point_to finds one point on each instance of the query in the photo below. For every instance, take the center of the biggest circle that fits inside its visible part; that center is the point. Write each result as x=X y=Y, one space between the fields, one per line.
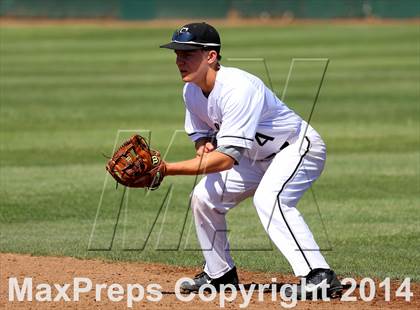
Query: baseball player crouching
x=248 y=143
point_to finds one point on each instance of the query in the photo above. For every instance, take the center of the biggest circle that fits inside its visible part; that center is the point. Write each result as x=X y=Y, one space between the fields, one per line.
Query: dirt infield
x=63 y=270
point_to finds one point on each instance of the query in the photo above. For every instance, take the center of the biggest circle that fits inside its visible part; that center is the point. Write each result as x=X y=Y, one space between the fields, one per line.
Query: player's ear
x=211 y=57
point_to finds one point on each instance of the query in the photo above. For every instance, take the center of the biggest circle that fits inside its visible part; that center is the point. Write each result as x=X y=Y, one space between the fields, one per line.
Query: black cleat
x=231 y=277
x=315 y=280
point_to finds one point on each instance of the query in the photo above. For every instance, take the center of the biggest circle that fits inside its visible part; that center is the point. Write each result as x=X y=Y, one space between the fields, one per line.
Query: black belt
x=285 y=144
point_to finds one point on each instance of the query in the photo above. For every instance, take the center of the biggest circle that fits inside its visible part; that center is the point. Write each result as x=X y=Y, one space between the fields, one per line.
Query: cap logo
x=183 y=29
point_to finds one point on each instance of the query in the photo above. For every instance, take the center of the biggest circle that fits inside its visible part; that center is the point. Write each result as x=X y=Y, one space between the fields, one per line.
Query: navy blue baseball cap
x=194 y=36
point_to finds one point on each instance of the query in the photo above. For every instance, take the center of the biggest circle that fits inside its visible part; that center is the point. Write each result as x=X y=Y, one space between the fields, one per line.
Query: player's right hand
x=205 y=148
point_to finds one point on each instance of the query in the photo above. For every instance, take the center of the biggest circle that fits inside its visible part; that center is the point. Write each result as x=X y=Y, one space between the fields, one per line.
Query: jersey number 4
x=262 y=139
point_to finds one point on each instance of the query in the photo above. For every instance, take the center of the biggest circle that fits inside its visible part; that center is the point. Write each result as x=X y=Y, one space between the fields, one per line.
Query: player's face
x=192 y=65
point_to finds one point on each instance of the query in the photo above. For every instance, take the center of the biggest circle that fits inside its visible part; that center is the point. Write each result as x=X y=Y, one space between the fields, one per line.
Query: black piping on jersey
x=281 y=211
x=239 y=137
x=199 y=132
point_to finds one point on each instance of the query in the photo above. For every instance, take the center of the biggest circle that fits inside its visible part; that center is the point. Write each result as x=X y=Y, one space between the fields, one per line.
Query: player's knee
x=262 y=199
x=203 y=200
x=197 y=201
x=268 y=200
x=199 y=197
x=257 y=199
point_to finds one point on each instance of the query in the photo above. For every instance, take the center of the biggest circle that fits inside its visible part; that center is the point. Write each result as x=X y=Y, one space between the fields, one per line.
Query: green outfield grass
x=65 y=91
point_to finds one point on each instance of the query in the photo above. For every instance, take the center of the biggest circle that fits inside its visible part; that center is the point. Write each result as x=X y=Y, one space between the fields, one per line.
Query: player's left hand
x=134 y=164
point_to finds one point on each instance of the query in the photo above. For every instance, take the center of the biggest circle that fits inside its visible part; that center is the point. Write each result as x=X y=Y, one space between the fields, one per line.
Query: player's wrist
x=168 y=169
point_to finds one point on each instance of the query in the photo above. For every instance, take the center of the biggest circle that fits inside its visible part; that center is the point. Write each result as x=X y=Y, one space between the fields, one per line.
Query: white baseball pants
x=277 y=186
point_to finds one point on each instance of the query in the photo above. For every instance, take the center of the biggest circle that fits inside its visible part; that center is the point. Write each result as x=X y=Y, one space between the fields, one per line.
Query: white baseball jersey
x=242 y=112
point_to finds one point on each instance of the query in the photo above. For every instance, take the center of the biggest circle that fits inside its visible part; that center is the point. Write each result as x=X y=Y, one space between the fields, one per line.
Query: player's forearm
x=208 y=163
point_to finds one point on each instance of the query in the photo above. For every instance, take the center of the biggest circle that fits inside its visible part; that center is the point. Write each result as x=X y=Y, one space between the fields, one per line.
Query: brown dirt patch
x=62 y=270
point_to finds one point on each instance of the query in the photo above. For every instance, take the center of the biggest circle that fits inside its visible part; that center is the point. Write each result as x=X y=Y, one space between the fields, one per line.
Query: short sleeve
x=195 y=127
x=235 y=152
x=241 y=113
